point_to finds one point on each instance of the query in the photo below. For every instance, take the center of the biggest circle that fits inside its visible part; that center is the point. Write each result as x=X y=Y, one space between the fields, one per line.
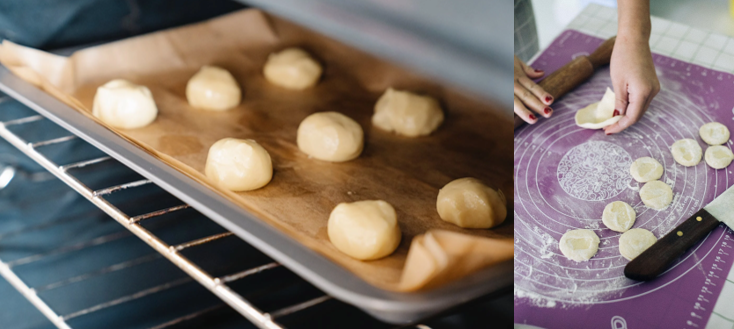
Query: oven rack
x=218 y=285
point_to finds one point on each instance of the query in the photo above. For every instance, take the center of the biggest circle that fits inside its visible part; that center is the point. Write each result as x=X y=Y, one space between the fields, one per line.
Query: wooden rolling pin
x=575 y=73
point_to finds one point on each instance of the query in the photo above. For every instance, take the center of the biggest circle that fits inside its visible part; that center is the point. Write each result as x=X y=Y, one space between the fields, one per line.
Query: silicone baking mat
x=565 y=175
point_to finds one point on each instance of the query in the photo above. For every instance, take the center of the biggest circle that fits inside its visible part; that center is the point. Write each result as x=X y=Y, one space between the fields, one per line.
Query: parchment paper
x=474 y=141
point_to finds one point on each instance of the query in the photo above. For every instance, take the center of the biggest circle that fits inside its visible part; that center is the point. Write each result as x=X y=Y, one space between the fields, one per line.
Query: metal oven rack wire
x=218 y=285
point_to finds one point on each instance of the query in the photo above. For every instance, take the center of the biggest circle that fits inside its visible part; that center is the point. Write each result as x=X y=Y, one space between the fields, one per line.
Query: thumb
x=621 y=98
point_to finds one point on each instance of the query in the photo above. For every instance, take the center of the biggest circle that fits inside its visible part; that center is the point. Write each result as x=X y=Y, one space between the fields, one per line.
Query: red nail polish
x=548 y=110
x=548 y=99
x=538 y=70
x=616 y=113
x=532 y=117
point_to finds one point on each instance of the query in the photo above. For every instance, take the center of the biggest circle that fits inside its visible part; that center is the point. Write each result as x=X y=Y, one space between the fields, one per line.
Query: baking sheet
x=405 y=172
x=565 y=176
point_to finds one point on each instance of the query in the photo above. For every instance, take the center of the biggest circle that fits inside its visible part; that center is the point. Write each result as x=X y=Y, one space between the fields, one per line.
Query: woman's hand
x=634 y=79
x=528 y=95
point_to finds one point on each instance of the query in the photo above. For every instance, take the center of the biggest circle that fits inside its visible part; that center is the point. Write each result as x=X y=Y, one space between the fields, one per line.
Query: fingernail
x=606 y=133
x=538 y=70
x=548 y=110
x=532 y=117
x=548 y=99
x=616 y=113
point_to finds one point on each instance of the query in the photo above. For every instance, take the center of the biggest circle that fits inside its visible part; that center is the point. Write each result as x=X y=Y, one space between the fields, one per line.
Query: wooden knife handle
x=575 y=72
x=656 y=259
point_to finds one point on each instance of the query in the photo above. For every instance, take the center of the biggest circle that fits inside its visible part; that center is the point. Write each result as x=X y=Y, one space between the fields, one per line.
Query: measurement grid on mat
x=700 y=47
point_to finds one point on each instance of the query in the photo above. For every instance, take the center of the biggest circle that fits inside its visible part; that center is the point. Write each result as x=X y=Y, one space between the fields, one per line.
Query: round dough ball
x=123 y=104
x=687 y=152
x=718 y=156
x=292 y=68
x=239 y=164
x=646 y=169
x=364 y=230
x=213 y=88
x=656 y=195
x=468 y=203
x=579 y=245
x=407 y=114
x=618 y=216
x=633 y=242
x=330 y=136
x=714 y=133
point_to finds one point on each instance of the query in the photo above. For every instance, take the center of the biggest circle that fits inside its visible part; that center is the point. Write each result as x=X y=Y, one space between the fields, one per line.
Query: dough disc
x=579 y=245
x=618 y=216
x=687 y=152
x=646 y=169
x=292 y=68
x=656 y=195
x=633 y=242
x=407 y=114
x=330 y=136
x=598 y=115
x=718 y=156
x=214 y=89
x=714 y=133
x=238 y=164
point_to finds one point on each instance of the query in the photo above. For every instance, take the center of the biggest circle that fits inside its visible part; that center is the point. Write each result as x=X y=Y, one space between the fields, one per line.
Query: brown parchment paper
x=474 y=141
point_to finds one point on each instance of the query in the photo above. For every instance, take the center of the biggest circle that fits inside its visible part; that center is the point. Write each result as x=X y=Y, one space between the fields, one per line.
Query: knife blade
x=656 y=259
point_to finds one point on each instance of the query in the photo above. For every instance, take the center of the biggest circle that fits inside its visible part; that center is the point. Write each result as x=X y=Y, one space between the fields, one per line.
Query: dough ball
x=714 y=133
x=364 y=230
x=123 y=104
x=618 y=216
x=656 y=195
x=213 y=88
x=598 y=115
x=407 y=114
x=330 y=136
x=468 y=203
x=292 y=68
x=718 y=156
x=687 y=152
x=646 y=169
x=633 y=242
x=239 y=164
x=579 y=245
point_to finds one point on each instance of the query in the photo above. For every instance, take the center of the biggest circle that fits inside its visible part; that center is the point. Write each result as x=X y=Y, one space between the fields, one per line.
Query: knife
x=656 y=259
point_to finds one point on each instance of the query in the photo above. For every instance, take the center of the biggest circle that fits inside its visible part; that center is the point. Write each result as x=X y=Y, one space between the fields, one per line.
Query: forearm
x=634 y=21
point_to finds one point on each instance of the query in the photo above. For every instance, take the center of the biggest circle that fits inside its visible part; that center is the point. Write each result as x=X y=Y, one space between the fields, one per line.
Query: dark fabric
x=51 y=24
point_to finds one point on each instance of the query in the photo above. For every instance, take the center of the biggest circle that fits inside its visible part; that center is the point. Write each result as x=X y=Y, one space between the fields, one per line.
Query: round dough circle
x=330 y=136
x=213 y=88
x=633 y=242
x=687 y=152
x=123 y=104
x=292 y=68
x=718 y=156
x=364 y=230
x=656 y=195
x=579 y=245
x=239 y=164
x=468 y=203
x=407 y=114
x=646 y=169
x=714 y=133
x=618 y=216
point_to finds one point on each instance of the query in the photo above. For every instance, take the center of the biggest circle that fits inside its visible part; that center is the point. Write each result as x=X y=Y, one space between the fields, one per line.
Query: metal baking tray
x=392 y=307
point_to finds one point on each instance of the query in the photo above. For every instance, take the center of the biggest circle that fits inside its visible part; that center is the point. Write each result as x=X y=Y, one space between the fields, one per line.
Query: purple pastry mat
x=685 y=295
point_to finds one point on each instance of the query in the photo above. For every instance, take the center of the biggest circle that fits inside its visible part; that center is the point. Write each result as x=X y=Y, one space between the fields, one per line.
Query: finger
x=524 y=113
x=530 y=71
x=531 y=101
x=638 y=103
x=620 y=97
x=537 y=90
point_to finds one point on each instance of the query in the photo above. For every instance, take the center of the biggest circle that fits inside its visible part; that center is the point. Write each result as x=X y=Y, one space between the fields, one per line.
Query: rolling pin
x=574 y=73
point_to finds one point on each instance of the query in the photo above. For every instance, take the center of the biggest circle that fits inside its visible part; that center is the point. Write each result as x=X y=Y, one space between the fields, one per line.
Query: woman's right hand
x=528 y=95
